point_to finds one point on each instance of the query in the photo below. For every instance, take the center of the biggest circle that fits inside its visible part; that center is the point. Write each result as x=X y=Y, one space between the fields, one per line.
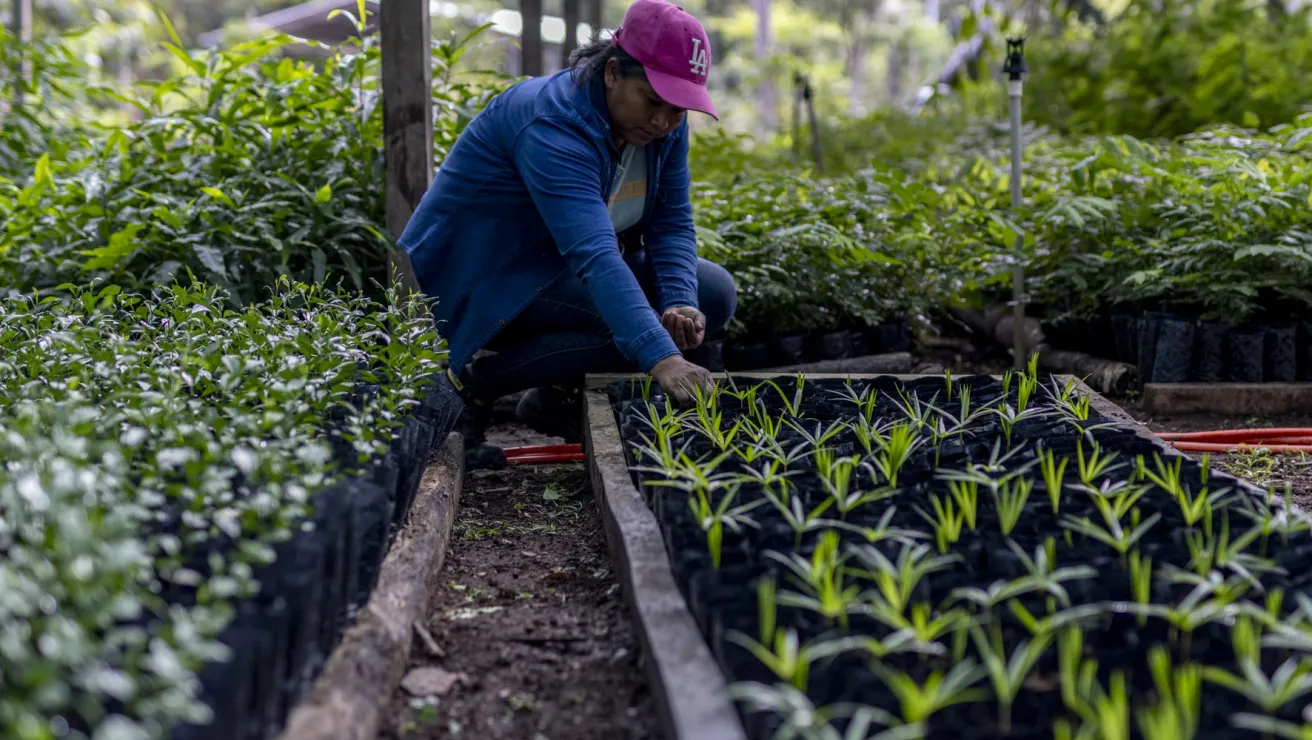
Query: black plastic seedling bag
x=890 y=337
x=1245 y=353
x=374 y=519
x=1305 y=350
x=1281 y=355
x=1209 y=351
x=788 y=349
x=331 y=510
x=834 y=345
x=859 y=341
x=1148 y=326
x=747 y=357
x=1174 y=359
x=1124 y=333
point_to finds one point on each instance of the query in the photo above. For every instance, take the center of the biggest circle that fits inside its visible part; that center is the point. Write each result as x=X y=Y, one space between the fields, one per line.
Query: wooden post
x=571 y=31
x=530 y=38
x=407 y=119
x=20 y=27
x=809 y=98
x=597 y=17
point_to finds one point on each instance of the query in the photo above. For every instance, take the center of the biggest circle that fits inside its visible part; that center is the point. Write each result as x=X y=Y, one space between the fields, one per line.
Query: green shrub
x=116 y=409
x=246 y=167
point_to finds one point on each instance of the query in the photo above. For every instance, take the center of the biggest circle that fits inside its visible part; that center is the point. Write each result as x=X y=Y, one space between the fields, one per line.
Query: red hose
x=1239 y=447
x=1275 y=440
x=544 y=454
x=1285 y=435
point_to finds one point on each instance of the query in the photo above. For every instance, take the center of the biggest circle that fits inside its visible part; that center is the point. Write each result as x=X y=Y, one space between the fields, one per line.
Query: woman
x=558 y=233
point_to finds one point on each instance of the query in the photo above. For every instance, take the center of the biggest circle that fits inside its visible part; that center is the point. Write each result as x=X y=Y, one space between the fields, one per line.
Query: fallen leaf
x=429 y=681
x=555 y=575
x=455 y=615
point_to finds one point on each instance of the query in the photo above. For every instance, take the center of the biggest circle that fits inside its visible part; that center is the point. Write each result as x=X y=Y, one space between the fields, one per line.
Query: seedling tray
x=688 y=609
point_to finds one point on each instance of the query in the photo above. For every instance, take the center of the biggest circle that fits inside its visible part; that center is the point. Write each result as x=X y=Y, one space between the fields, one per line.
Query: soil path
x=531 y=639
x=1258 y=467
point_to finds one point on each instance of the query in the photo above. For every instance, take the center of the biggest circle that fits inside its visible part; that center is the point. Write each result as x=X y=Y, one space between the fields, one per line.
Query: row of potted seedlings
x=1183 y=348
x=194 y=500
x=971 y=558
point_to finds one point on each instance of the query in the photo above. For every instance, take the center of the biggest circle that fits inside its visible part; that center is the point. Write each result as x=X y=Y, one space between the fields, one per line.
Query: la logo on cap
x=698 y=62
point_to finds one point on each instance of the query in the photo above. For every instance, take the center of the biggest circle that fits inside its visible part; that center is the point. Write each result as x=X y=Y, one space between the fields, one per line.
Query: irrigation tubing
x=1286 y=440
x=544 y=454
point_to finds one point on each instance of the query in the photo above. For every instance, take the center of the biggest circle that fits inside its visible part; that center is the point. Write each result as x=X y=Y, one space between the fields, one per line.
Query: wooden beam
x=530 y=38
x=20 y=27
x=407 y=119
x=596 y=16
x=572 y=19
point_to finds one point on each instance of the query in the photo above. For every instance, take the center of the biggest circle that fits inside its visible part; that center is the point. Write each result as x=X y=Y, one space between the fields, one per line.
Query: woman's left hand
x=686 y=325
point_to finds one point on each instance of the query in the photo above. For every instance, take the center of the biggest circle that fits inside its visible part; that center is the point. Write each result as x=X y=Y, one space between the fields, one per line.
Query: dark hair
x=590 y=61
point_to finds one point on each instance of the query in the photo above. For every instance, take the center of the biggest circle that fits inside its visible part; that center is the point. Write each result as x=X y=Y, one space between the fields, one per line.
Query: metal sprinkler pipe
x=1016 y=71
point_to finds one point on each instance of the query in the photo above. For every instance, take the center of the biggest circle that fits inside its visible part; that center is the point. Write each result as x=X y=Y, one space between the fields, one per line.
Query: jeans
x=560 y=336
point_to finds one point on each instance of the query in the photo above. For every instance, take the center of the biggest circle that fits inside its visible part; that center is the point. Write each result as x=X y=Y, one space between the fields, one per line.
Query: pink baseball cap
x=674 y=51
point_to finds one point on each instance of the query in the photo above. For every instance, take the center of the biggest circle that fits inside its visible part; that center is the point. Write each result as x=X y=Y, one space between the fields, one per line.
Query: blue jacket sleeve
x=671 y=240
x=562 y=172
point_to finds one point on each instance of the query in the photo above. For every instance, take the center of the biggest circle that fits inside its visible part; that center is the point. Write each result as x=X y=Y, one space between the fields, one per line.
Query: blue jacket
x=519 y=203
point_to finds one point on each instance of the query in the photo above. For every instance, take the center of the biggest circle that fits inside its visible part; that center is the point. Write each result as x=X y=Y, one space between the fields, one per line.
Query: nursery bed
x=686 y=609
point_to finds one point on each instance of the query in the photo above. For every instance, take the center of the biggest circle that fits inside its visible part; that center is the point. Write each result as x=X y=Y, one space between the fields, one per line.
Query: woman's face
x=637 y=113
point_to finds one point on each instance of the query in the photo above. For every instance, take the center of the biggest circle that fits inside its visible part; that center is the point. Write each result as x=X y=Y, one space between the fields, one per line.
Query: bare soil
x=531 y=639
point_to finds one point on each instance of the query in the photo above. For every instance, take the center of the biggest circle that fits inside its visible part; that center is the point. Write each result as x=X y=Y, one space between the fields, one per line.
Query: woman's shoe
x=553 y=411
x=472 y=423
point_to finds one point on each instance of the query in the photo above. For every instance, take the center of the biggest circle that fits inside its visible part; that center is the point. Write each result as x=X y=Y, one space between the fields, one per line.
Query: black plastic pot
x=1148 y=326
x=714 y=355
x=1209 y=351
x=1245 y=353
x=890 y=337
x=1173 y=359
x=1124 y=331
x=835 y=345
x=1280 y=360
x=1305 y=350
x=746 y=357
x=859 y=342
x=788 y=349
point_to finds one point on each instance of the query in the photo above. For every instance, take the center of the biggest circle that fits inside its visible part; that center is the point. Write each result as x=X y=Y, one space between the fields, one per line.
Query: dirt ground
x=1259 y=467
x=531 y=637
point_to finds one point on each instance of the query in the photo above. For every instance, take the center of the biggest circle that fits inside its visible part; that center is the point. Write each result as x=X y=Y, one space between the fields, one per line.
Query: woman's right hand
x=678 y=377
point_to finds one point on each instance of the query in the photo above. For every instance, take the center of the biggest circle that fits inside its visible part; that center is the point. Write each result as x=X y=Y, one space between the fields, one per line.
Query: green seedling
x=895 y=582
x=920 y=701
x=822 y=580
x=1007 y=674
x=966 y=494
x=1010 y=499
x=1178 y=706
x=946 y=521
x=1053 y=474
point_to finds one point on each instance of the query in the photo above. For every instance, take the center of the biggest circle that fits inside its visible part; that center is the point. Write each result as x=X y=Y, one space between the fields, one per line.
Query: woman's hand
x=678 y=377
x=686 y=325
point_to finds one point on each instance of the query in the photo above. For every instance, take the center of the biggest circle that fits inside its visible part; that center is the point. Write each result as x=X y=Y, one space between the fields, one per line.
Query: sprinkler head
x=1015 y=67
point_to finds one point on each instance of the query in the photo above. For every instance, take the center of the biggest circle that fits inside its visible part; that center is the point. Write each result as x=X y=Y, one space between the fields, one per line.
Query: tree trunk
x=856 y=73
x=895 y=62
x=530 y=38
x=765 y=93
